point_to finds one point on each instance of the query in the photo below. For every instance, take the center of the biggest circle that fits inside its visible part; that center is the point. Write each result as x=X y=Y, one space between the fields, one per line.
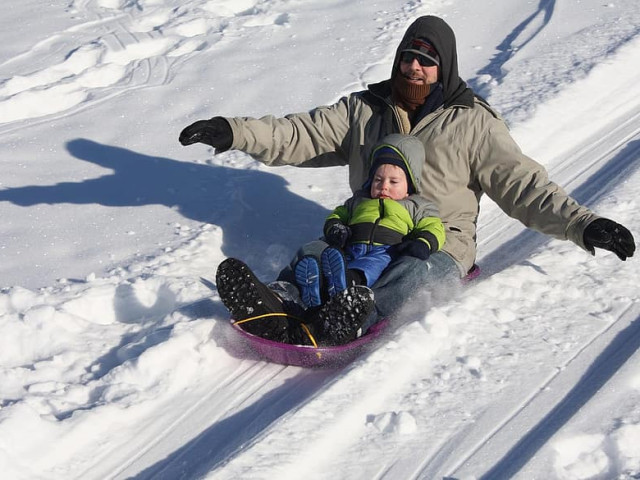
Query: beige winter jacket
x=469 y=153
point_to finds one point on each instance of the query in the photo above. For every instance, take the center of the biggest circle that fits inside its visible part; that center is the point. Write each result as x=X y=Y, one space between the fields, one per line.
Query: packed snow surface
x=117 y=362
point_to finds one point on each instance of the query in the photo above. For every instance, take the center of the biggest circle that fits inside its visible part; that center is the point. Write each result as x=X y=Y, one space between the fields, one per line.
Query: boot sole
x=334 y=269
x=308 y=279
x=344 y=314
x=245 y=296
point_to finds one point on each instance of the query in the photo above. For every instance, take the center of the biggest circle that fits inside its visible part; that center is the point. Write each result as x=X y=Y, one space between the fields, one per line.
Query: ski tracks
x=118 y=46
x=555 y=402
x=506 y=437
x=213 y=422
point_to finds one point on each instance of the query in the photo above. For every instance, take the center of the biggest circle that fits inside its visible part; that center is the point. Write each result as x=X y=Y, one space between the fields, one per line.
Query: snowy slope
x=116 y=362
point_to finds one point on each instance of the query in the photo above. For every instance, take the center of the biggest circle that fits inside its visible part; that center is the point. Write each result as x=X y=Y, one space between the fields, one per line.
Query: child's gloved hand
x=413 y=248
x=337 y=234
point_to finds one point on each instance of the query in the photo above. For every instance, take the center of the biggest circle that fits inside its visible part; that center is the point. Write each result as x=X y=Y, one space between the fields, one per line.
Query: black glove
x=215 y=132
x=413 y=248
x=337 y=234
x=607 y=234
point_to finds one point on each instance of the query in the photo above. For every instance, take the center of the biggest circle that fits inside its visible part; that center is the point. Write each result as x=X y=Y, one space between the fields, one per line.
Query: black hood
x=439 y=34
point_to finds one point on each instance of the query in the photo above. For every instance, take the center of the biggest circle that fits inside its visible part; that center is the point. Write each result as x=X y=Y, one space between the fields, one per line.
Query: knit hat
x=387 y=155
x=424 y=48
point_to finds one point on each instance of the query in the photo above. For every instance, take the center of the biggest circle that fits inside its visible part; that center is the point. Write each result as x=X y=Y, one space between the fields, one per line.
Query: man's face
x=416 y=73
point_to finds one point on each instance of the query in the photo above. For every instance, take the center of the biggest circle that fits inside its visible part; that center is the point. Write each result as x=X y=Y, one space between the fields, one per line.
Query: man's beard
x=407 y=94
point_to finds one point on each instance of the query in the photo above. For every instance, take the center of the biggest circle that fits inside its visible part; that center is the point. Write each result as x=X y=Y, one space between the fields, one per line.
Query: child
x=331 y=299
x=386 y=218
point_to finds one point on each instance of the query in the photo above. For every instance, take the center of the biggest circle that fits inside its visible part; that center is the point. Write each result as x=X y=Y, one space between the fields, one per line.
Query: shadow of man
x=254 y=209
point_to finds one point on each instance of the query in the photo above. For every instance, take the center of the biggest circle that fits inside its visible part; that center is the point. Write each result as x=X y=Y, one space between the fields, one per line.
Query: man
x=469 y=152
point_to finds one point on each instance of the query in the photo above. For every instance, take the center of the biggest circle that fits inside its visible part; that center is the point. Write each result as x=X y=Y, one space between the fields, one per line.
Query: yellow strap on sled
x=258 y=317
x=308 y=332
x=265 y=315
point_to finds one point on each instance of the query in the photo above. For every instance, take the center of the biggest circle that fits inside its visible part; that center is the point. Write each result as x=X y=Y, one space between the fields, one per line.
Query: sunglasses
x=408 y=57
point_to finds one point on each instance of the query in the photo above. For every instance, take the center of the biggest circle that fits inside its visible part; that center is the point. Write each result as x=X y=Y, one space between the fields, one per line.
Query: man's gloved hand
x=413 y=248
x=337 y=234
x=215 y=132
x=607 y=234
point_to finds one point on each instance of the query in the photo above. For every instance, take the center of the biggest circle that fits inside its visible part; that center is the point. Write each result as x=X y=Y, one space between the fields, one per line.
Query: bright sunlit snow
x=117 y=362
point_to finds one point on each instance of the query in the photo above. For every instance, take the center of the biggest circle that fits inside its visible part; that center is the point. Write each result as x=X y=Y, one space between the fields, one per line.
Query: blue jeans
x=404 y=278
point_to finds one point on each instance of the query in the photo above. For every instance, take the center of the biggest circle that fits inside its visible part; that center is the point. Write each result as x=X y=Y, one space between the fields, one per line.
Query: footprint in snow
x=397 y=423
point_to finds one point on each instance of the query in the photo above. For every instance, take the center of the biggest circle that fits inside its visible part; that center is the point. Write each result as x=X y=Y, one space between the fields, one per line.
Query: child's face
x=389 y=181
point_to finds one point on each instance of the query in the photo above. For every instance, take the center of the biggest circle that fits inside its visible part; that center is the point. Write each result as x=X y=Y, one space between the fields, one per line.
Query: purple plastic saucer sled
x=307 y=355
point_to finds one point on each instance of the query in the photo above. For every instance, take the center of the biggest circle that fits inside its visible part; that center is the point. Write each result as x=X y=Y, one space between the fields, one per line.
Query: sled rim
x=309 y=355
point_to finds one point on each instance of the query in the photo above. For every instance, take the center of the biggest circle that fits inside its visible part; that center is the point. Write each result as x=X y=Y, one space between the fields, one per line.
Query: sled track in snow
x=247 y=411
x=194 y=414
x=551 y=404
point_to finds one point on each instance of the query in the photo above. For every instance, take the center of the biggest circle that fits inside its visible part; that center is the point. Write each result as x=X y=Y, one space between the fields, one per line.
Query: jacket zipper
x=395 y=114
x=376 y=223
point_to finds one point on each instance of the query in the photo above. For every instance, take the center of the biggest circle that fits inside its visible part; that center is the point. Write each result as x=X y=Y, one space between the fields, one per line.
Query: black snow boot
x=246 y=297
x=340 y=320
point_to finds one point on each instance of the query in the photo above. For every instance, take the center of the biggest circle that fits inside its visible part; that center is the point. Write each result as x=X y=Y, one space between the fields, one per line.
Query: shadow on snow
x=621 y=348
x=513 y=42
x=254 y=209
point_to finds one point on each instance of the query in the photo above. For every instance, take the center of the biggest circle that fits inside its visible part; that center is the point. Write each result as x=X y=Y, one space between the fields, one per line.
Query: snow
x=117 y=362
